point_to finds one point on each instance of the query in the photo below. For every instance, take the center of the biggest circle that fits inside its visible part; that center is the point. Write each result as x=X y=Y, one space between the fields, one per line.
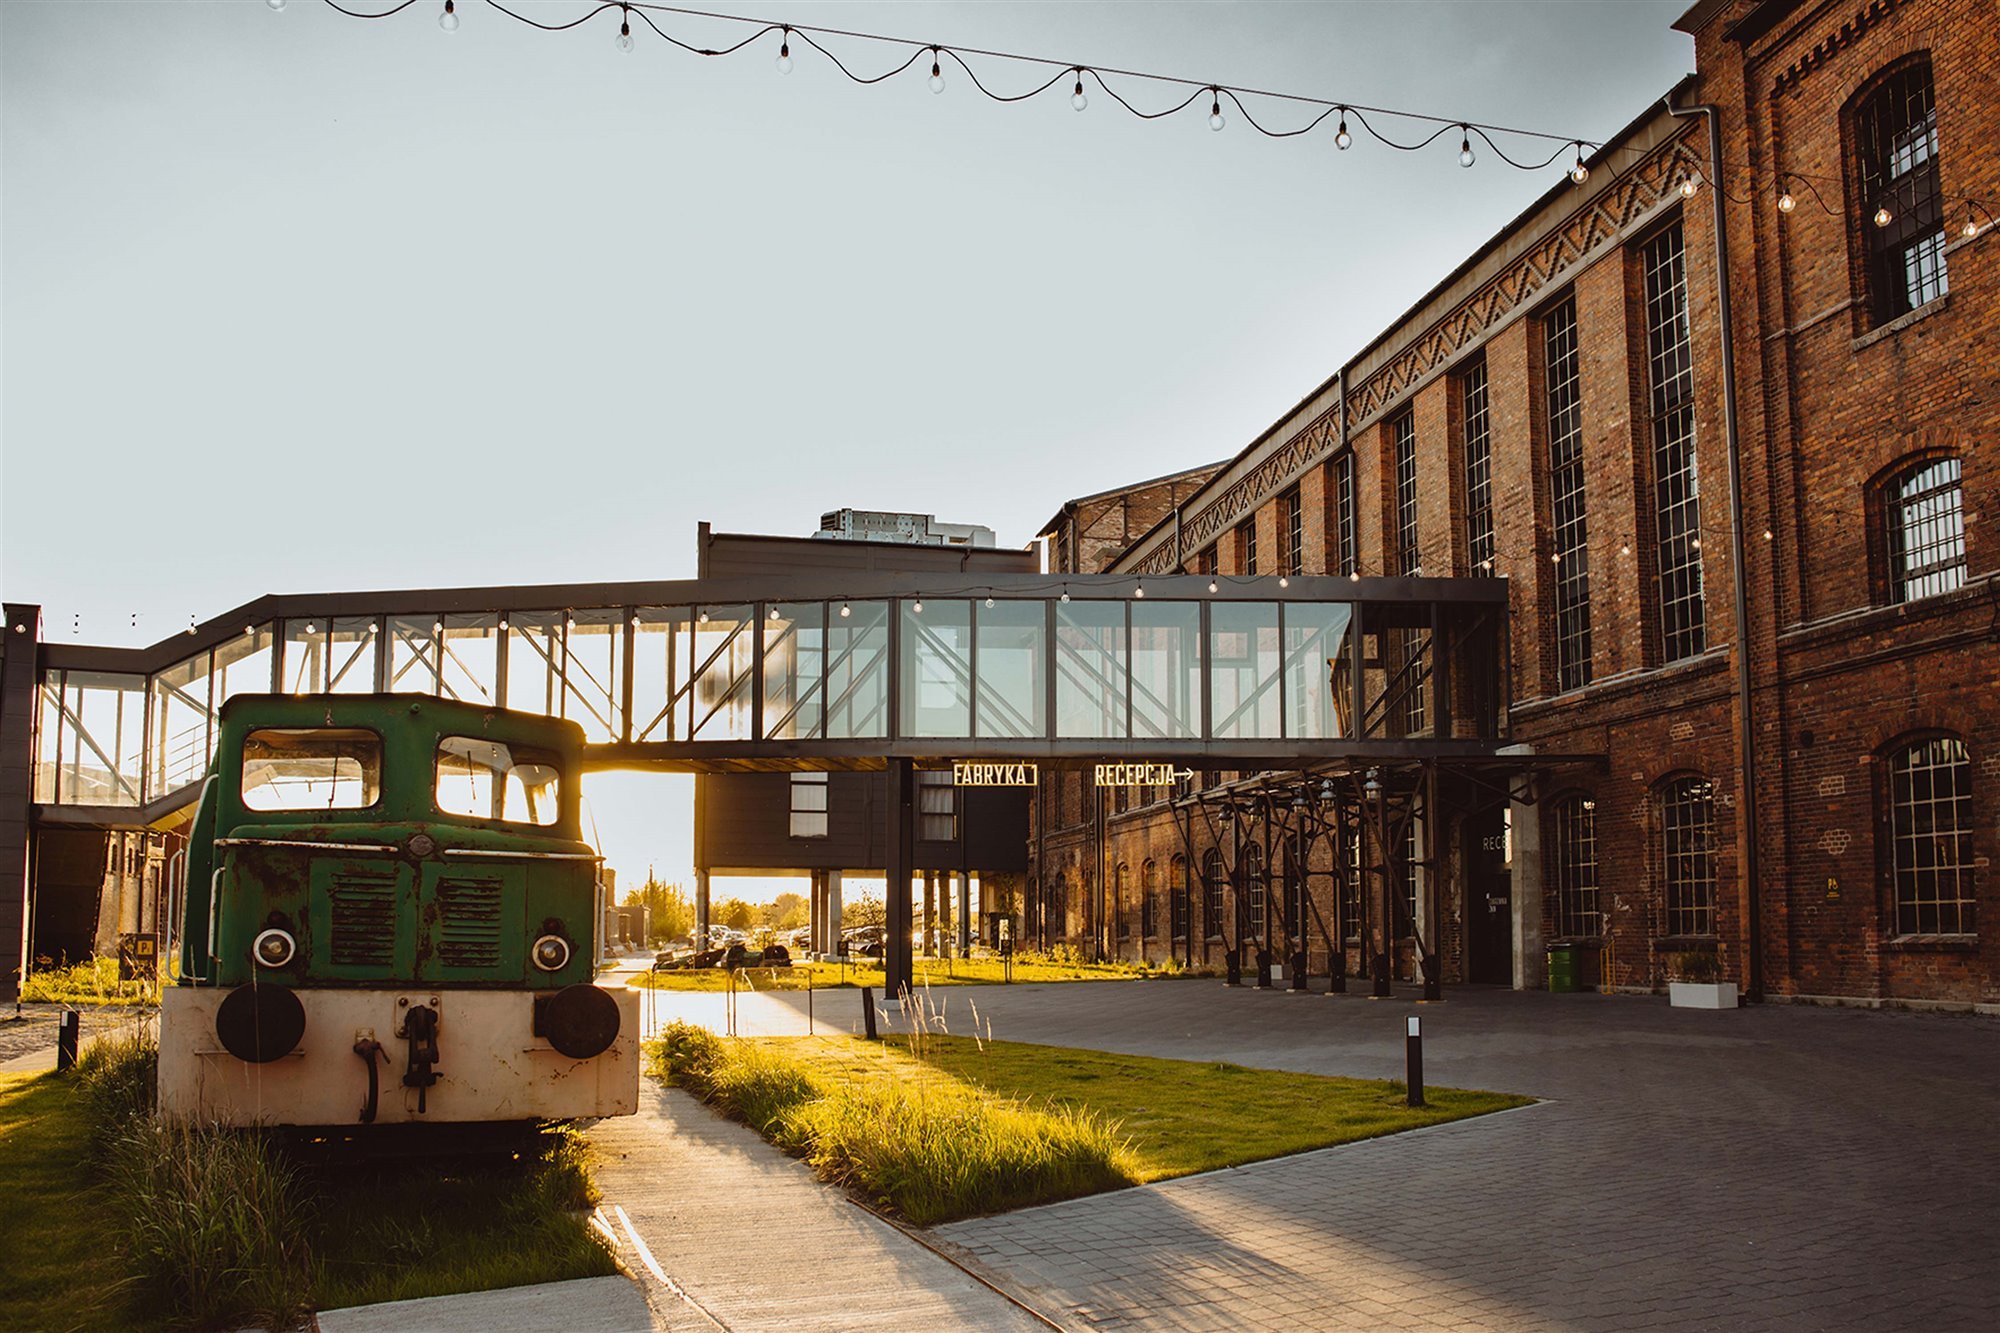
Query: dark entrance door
x=1489 y=891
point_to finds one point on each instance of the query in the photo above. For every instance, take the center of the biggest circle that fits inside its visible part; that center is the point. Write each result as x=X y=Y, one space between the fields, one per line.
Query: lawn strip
x=929 y=972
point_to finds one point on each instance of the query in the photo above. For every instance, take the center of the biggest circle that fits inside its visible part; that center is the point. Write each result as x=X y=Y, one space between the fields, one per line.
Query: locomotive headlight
x=274 y=947
x=551 y=953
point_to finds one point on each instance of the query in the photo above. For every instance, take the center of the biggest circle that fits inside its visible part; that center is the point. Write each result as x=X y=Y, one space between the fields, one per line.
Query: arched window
x=1574 y=832
x=1687 y=854
x=1898 y=204
x=1253 y=892
x=1349 y=844
x=1119 y=906
x=1930 y=816
x=1214 y=877
x=1177 y=895
x=1923 y=526
x=1149 y=896
x=1295 y=896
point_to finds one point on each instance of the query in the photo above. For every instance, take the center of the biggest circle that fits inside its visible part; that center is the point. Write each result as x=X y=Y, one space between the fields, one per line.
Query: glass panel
x=302 y=667
x=331 y=768
x=413 y=655
x=244 y=664
x=724 y=648
x=351 y=651
x=794 y=671
x=1243 y=669
x=594 y=675
x=1166 y=669
x=857 y=671
x=660 y=639
x=469 y=658
x=1090 y=669
x=1315 y=657
x=48 y=739
x=1012 y=696
x=534 y=662
x=484 y=779
x=181 y=731
x=808 y=805
x=102 y=745
x=937 y=668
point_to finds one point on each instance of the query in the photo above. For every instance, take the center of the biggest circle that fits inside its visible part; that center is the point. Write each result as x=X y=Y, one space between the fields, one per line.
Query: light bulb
x=845 y=610
x=785 y=53
x=1354 y=576
x=1767 y=534
x=989 y=604
x=1579 y=173
x=1139 y=591
x=1971 y=227
x=1076 y=97
x=1465 y=158
x=1284 y=582
x=1786 y=203
x=1065 y=595
x=625 y=37
x=635 y=623
x=1624 y=548
x=1215 y=120
x=1212 y=586
x=1688 y=187
x=449 y=19
x=1883 y=216
x=275 y=4
x=1341 y=138
x=772 y=613
x=937 y=73
x=311 y=628
x=703 y=617
x=917 y=606
x=252 y=629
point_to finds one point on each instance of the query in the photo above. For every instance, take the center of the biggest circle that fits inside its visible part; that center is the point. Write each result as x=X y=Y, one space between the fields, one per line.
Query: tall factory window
x=1246 y=546
x=1687 y=854
x=1576 y=867
x=1408 y=559
x=1340 y=486
x=1924 y=519
x=1899 y=203
x=1291 y=533
x=1478 y=458
x=1676 y=484
x=1214 y=879
x=1930 y=809
x=1571 y=553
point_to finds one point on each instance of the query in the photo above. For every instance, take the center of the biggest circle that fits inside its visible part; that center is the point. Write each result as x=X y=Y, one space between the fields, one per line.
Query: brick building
x=1765 y=598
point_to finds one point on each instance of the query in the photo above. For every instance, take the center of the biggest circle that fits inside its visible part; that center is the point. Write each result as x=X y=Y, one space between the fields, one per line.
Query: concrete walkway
x=743 y=1237
x=588 y=1305
x=28 y=1044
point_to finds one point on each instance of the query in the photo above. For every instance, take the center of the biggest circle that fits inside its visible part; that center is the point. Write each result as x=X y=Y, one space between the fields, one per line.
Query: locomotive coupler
x=421 y=1026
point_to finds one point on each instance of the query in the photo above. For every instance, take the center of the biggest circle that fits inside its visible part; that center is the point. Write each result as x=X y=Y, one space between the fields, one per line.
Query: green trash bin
x=1562 y=969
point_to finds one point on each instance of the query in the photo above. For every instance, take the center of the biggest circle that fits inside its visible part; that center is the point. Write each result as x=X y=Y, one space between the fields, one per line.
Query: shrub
x=1702 y=967
x=115 y=1078
x=92 y=981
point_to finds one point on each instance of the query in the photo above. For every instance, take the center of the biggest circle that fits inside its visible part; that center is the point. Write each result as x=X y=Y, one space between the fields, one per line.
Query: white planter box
x=1702 y=994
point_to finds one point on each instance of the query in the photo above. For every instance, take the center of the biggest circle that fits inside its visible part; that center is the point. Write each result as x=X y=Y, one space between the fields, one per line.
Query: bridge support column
x=701 y=909
x=897 y=964
x=964 y=912
x=832 y=895
x=22 y=631
x=1530 y=970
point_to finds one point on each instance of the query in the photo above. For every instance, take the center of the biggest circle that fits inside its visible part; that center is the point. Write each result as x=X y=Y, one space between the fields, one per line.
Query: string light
x=1971 y=227
x=845 y=610
x=772 y=614
x=1579 y=172
x=1284 y=582
x=1139 y=591
x=1212 y=586
x=1787 y=202
x=1065 y=594
x=703 y=617
x=918 y=606
x=275 y=5
x=1883 y=216
x=989 y=604
x=1349 y=115
x=1689 y=184
x=449 y=19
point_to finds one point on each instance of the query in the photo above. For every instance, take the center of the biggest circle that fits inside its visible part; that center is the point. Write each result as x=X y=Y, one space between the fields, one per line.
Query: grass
x=92 y=981
x=59 y=1273
x=116 y=1219
x=928 y=972
x=937 y=1127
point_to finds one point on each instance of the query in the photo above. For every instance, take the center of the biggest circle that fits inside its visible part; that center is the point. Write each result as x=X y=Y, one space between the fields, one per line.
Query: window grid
x=1676 y=484
x=1408 y=560
x=1687 y=849
x=1253 y=893
x=1350 y=884
x=1149 y=893
x=1212 y=876
x=937 y=806
x=1205 y=561
x=1246 y=545
x=1291 y=533
x=1412 y=854
x=808 y=805
x=1576 y=868
x=1930 y=792
x=1926 y=523
x=1897 y=144
x=1349 y=552
x=1177 y=897
x=1479 y=543
x=1566 y=495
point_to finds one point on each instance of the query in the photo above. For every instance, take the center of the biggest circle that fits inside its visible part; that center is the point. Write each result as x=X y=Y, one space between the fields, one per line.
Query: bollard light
x=1413 y=1077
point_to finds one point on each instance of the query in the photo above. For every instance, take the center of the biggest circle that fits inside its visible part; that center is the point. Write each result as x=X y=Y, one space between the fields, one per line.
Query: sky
x=291 y=302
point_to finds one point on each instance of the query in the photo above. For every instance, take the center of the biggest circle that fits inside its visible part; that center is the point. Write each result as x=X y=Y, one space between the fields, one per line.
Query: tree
x=864 y=912
x=787 y=911
x=734 y=913
x=672 y=913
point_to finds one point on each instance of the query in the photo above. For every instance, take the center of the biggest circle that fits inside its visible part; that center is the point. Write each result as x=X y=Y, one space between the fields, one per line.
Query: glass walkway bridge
x=723 y=675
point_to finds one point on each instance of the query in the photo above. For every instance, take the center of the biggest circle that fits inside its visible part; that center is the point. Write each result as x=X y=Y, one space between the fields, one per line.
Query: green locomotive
x=390 y=916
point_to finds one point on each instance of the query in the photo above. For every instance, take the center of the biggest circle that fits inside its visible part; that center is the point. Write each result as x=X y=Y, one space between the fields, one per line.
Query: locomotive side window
x=492 y=780
x=318 y=768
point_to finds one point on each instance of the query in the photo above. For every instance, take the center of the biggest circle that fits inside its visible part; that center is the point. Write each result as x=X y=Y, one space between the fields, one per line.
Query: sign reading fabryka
x=968 y=773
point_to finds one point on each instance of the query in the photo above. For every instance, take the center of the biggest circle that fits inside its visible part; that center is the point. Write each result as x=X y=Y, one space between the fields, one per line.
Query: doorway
x=1489 y=892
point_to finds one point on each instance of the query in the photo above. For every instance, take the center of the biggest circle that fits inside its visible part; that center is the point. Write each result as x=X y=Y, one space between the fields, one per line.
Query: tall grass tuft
x=115 y=1079
x=92 y=981
x=929 y=1148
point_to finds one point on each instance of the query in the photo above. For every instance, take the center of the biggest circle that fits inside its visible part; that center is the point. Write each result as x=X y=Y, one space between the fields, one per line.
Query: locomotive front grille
x=363 y=918
x=469 y=917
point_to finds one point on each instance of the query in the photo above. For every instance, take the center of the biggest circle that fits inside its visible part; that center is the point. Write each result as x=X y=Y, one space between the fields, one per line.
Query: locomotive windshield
x=320 y=768
x=493 y=780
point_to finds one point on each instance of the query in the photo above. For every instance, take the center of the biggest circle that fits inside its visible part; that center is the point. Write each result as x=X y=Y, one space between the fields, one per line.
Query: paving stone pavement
x=1772 y=1167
